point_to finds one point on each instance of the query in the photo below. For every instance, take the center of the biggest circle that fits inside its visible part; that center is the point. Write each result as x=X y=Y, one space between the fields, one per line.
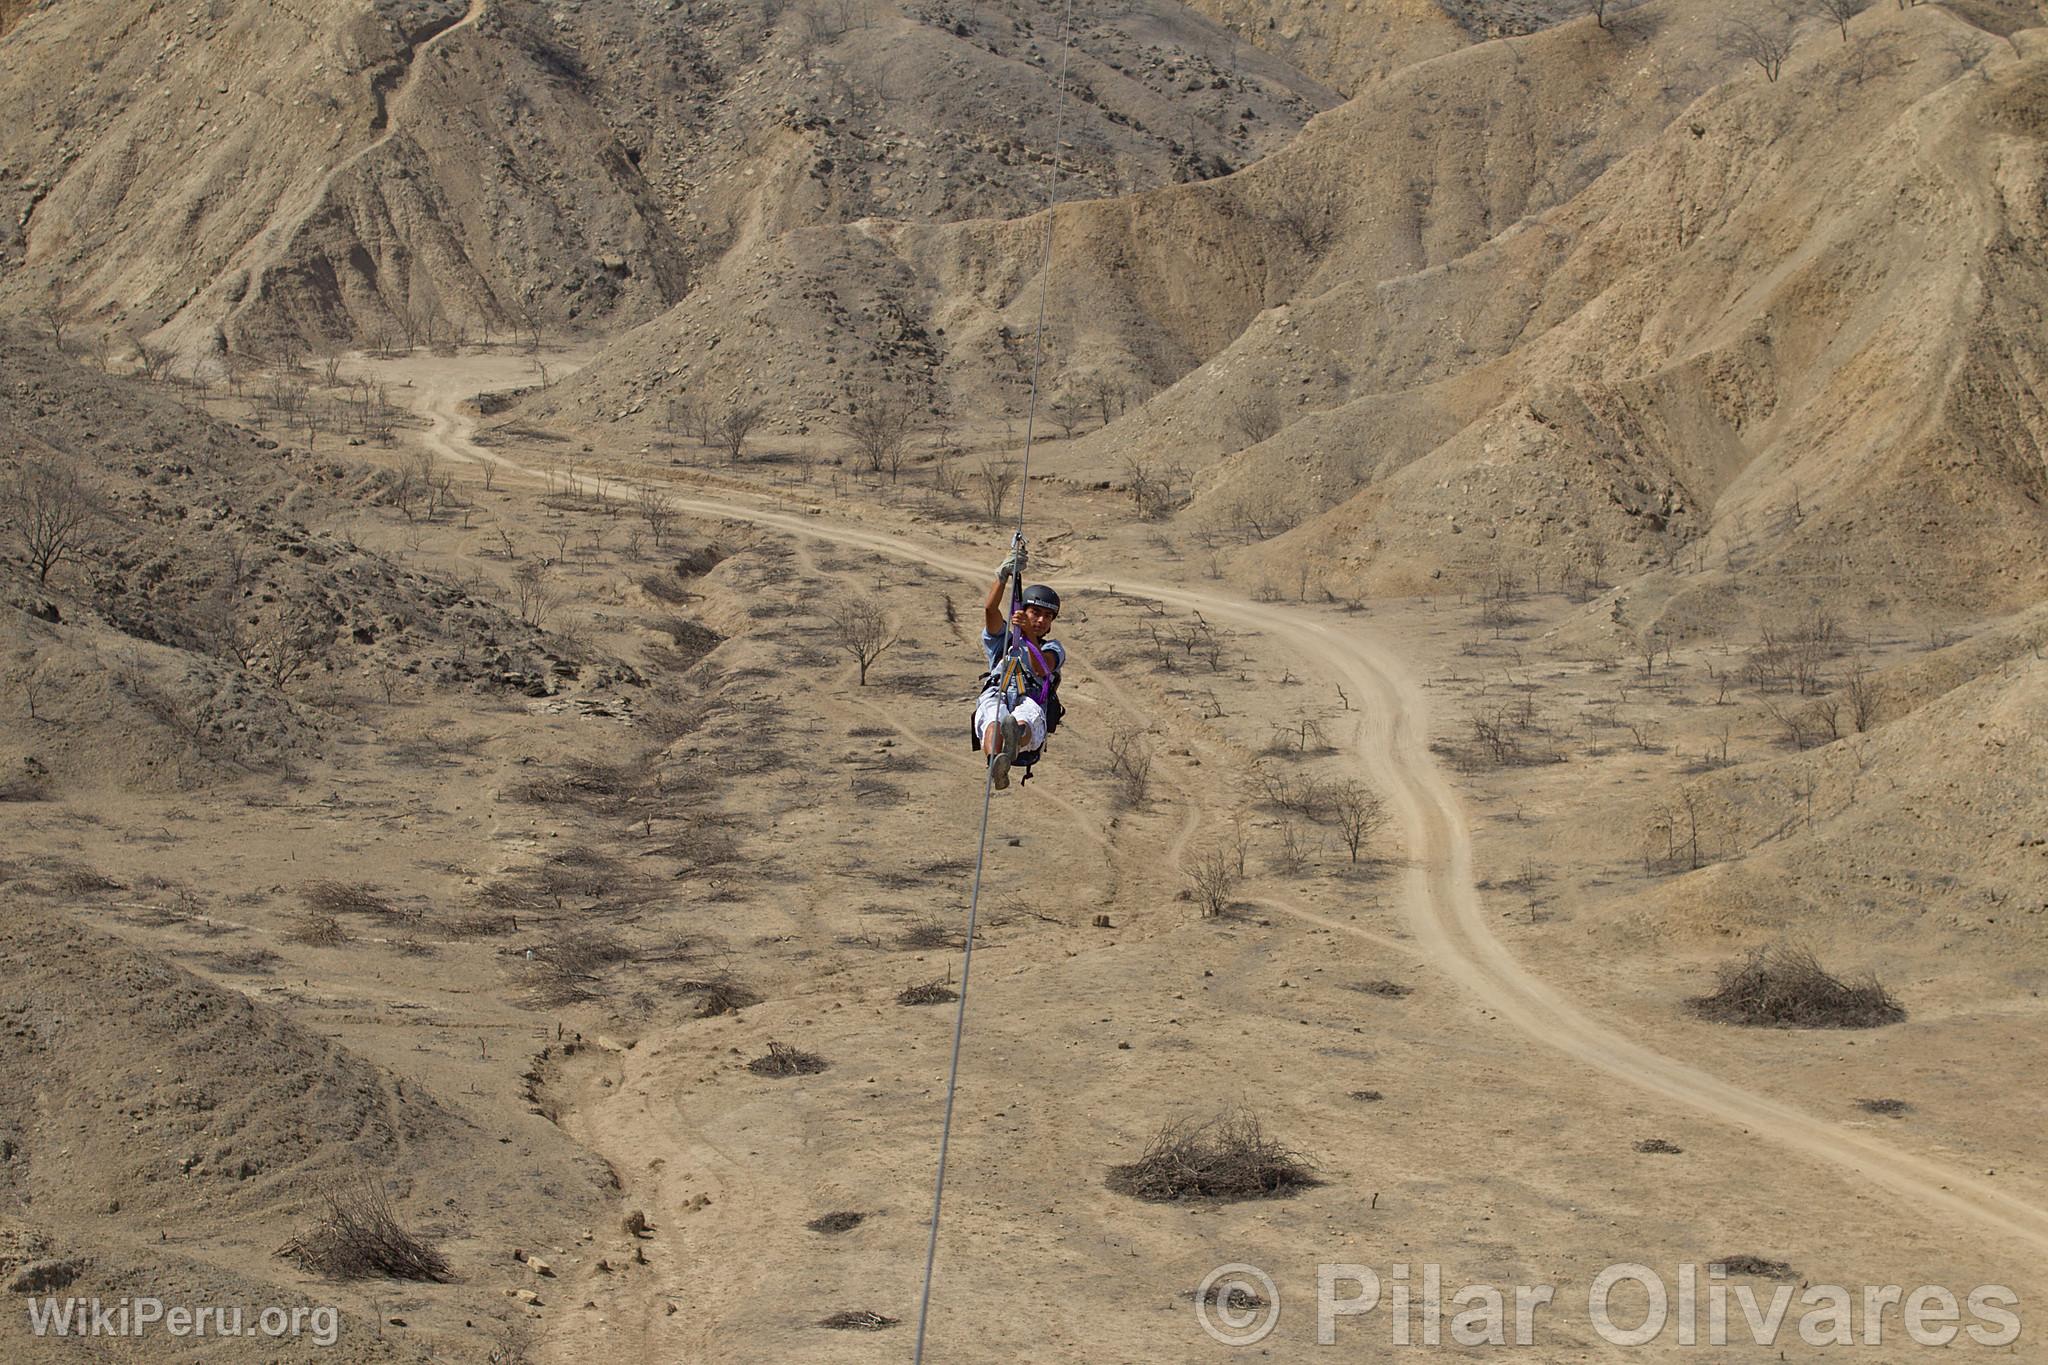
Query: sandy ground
x=1501 y=1148
x=1470 y=1052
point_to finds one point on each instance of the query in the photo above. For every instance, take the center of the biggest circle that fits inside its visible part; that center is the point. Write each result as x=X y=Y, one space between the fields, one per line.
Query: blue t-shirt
x=995 y=646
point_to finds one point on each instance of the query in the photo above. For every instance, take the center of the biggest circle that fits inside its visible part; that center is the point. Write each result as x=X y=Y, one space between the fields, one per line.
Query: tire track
x=1440 y=900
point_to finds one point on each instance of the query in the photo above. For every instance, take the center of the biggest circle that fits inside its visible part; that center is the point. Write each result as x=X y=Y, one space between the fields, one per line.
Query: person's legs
x=988 y=713
x=1001 y=734
x=1031 y=722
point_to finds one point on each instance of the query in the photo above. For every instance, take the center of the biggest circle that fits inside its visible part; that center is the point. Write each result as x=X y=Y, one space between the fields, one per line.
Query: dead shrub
x=721 y=995
x=482 y=924
x=317 y=930
x=28 y=787
x=845 y=1220
x=345 y=898
x=857 y=1320
x=1658 y=1147
x=360 y=1238
x=1760 y=1266
x=928 y=933
x=1130 y=764
x=1888 y=1108
x=83 y=881
x=1783 y=987
x=587 y=784
x=927 y=993
x=567 y=964
x=1225 y=1157
x=1385 y=989
x=781 y=1059
x=666 y=589
x=1213 y=877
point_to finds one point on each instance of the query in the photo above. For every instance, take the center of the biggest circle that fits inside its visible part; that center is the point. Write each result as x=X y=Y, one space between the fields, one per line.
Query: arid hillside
x=1415 y=173
x=1595 y=300
x=361 y=171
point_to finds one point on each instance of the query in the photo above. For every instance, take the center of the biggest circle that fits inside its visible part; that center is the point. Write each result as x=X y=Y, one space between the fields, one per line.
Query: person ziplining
x=1019 y=703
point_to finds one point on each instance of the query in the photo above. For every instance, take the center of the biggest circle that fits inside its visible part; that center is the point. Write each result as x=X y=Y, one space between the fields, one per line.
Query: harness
x=1025 y=670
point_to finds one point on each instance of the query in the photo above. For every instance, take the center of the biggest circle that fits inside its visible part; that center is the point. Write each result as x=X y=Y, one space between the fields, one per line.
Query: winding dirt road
x=1440 y=900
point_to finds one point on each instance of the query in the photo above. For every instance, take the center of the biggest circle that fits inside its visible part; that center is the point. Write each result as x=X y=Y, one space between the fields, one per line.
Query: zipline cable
x=931 y=1247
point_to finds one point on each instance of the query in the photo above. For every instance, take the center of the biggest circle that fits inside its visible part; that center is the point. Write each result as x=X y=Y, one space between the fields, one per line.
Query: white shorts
x=1030 y=715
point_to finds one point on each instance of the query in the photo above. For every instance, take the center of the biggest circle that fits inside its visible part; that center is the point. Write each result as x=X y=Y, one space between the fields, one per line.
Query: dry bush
x=1658 y=1147
x=1130 y=764
x=1298 y=794
x=721 y=995
x=857 y=1320
x=929 y=933
x=1360 y=813
x=1213 y=877
x=843 y=1220
x=361 y=1237
x=482 y=924
x=345 y=898
x=587 y=784
x=666 y=588
x=1888 y=1108
x=783 y=1060
x=318 y=930
x=927 y=993
x=1385 y=989
x=83 y=881
x=1225 y=1157
x=1781 y=987
x=1761 y=1266
x=566 y=964
x=25 y=787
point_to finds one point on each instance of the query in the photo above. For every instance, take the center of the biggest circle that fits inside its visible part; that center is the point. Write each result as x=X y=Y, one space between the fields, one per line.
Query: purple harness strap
x=1040 y=667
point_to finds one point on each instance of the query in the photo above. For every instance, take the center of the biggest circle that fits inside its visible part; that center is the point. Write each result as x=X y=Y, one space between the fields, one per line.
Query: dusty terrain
x=436 y=763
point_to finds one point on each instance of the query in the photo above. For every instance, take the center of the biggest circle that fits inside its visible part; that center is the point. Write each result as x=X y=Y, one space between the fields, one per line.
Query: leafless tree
x=1768 y=45
x=1155 y=488
x=997 y=479
x=1255 y=416
x=734 y=423
x=49 y=509
x=1108 y=397
x=1309 y=219
x=1360 y=813
x=1603 y=10
x=879 y=425
x=1069 y=409
x=153 y=360
x=1130 y=763
x=55 y=311
x=658 y=510
x=533 y=596
x=298 y=637
x=1213 y=877
x=1841 y=11
x=818 y=24
x=865 y=631
x=1861 y=691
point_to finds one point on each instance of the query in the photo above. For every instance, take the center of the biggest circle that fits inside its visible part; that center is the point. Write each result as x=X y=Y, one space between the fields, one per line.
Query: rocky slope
x=344 y=170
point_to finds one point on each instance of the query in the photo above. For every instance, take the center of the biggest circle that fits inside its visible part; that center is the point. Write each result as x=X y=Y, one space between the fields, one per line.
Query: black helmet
x=1039 y=595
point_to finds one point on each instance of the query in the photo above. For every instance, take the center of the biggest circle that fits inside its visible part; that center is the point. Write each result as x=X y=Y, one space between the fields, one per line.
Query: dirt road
x=1440 y=901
